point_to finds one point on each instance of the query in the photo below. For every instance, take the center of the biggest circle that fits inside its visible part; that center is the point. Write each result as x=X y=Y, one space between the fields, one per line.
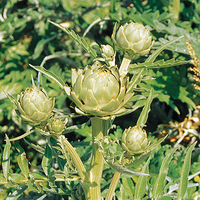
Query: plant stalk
x=113 y=186
x=99 y=130
x=123 y=70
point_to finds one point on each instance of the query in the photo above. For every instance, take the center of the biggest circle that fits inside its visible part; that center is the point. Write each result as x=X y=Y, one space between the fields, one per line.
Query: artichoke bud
x=133 y=39
x=134 y=140
x=108 y=53
x=99 y=91
x=34 y=106
x=55 y=126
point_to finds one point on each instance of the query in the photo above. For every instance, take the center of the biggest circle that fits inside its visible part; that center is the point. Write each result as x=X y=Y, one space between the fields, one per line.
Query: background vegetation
x=27 y=37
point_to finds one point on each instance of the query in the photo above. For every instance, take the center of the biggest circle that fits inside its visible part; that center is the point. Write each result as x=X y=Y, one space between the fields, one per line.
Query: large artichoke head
x=134 y=140
x=34 y=105
x=99 y=91
x=133 y=38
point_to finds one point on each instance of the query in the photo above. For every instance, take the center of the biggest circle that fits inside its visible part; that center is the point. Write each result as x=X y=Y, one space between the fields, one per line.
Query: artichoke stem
x=123 y=70
x=113 y=186
x=99 y=130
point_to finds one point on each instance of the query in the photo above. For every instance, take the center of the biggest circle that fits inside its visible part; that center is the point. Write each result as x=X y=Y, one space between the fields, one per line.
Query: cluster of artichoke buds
x=134 y=140
x=99 y=91
x=133 y=39
x=34 y=106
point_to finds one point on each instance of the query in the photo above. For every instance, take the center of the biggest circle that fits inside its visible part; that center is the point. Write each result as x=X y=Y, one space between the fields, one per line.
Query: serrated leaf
x=47 y=160
x=144 y=114
x=6 y=158
x=22 y=160
x=135 y=80
x=158 y=64
x=160 y=181
x=184 y=173
x=36 y=147
x=78 y=39
x=50 y=74
x=155 y=54
x=142 y=182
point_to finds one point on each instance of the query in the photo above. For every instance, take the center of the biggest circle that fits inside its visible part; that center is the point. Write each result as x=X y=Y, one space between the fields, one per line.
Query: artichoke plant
x=99 y=91
x=133 y=38
x=134 y=140
x=34 y=105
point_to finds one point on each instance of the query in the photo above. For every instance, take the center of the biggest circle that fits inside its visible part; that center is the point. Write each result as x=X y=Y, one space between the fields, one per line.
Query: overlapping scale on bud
x=55 y=126
x=99 y=91
x=133 y=38
x=134 y=140
x=34 y=106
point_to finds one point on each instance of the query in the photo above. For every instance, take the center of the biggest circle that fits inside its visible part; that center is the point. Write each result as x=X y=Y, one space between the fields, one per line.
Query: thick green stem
x=123 y=70
x=99 y=130
x=113 y=186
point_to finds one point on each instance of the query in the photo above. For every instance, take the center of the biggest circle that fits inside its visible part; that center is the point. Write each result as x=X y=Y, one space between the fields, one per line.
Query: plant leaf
x=142 y=182
x=153 y=56
x=18 y=178
x=6 y=158
x=144 y=114
x=119 y=168
x=22 y=160
x=184 y=173
x=40 y=47
x=158 y=64
x=47 y=160
x=50 y=74
x=36 y=147
x=160 y=181
x=78 y=39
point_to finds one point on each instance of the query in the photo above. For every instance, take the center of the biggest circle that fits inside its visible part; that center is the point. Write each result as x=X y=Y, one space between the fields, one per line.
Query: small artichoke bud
x=56 y=126
x=34 y=105
x=108 y=53
x=134 y=140
x=133 y=39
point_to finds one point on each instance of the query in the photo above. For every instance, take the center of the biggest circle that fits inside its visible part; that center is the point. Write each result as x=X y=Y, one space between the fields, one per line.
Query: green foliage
x=60 y=35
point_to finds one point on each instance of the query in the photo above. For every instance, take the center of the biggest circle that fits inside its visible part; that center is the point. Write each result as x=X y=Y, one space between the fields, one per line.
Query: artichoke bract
x=34 y=105
x=134 y=140
x=133 y=38
x=55 y=126
x=99 y=91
